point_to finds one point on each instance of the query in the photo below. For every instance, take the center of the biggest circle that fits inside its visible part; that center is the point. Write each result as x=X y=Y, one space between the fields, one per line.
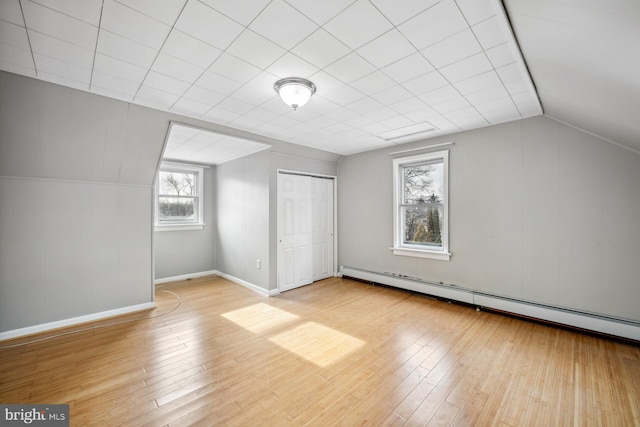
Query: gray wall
x=180 y=253
x=75 y=182
x=242 y=198
x=539 y=211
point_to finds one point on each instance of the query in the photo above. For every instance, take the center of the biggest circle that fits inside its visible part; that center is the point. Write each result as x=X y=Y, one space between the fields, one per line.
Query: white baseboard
x=255 y=288
x=588 y=321
x=186 y=276
x=29 y=330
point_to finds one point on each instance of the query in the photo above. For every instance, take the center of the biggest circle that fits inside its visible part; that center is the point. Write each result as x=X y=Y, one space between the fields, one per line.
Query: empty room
x=340 y=212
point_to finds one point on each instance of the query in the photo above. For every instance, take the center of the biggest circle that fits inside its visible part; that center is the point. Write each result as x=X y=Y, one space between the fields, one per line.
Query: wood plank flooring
x=338 y=352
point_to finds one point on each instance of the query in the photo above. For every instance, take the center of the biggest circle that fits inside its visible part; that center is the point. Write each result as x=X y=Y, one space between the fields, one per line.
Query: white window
x=179 y=192
x=421 y=206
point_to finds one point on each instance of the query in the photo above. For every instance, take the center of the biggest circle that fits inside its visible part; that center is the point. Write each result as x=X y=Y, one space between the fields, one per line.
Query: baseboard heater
x=589 y=321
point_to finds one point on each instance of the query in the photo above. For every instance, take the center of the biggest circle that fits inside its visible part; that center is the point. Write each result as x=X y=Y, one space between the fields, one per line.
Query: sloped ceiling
x=584 y=57
x=383 y=68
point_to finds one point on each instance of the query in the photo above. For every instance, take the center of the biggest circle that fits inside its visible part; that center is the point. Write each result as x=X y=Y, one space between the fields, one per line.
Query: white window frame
x=403 y=249
x=198 y=223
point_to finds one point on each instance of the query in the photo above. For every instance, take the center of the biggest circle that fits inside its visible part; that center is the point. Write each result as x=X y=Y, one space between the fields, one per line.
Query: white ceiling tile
x=115 y=67
x=291 y=65
x=399 y=11
x=476 y=10
x=262 y=114
x=344 y=95
x=342 y=114
x=383 y=113
x=58 y=25
x=467 y=118
x=235 y=106
x=408 y=68
x=350 y=68
x=320 y=49
x=514 y=78
x=242 y=12
x=245 y=122
x=500 y=116
x=16 y=60
x=469 y=67
x=434 y=24
x=373 y=83
x=84 y=10
x=176 y=68
x=421 y=115
x=501 y=55
x=259 y=90
x=480 y=82
x=487 y=95
x=60 y=77
x=358 y=24
x=320 y=11
x=255 y=49
x=14 y=35
x=219 y=115
x=133 y=25
x=10 y=11
x=126 y=50
x=234 y=68
x=397 y=122
x=65 y=70
x=205 y=96
x=490 y=33
x=441 y=123
x=392 y=95
x=375 y=128
x=155 y=98
x=208 y=25
x=283 y=25
x=365 y=105
x=104 y=81
x=61 y=50
x=501 y=104
x=452 y=49
x=276 y=106
x=165 y=11
x=439 y=96
x=425 y=83
x=455 y=104
x=408 y=105
x=190 y=49
x=321 y=106
x=217 y=83
x=113 y=94
x=387 y=49
x=165 y=83
x=325 y=83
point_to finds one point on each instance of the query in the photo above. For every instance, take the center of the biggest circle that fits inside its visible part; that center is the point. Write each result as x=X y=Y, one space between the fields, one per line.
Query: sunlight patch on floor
x=317 y=343
x=259 y=317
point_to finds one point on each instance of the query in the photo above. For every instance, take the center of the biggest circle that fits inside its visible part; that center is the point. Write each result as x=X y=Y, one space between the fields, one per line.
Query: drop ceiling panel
x=378 y=65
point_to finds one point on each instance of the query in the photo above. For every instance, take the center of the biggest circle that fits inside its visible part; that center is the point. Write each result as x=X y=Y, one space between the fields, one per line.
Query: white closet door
x=294 y=231
x=322 y=227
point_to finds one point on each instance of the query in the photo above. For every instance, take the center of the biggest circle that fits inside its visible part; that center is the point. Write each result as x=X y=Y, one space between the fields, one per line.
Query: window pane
x=422 y=225
x=177 y=209
x=177 y=183
x=423 y=183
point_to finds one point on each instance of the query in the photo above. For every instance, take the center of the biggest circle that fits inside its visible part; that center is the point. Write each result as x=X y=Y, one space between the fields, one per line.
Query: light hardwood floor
x=337 y=352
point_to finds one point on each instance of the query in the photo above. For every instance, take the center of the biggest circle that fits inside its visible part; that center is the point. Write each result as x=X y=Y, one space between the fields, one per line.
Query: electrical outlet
x=258 y=264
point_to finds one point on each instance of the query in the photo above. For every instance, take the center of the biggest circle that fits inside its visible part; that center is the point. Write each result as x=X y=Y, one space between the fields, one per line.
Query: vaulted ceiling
x=387 y=71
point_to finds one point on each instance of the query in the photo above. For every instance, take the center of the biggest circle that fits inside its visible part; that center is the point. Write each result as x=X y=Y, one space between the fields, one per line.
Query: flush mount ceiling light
x=295 y=91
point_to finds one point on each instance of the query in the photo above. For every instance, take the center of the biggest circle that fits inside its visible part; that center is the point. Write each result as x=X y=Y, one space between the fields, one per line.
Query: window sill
x=420 y=253
x=178 y=227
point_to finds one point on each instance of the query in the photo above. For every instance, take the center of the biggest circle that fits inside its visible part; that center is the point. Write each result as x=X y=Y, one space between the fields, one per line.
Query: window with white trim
x=421 y=206
x=179 y=197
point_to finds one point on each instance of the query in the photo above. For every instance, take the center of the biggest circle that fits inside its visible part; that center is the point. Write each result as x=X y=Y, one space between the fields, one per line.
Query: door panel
x=294 y=229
